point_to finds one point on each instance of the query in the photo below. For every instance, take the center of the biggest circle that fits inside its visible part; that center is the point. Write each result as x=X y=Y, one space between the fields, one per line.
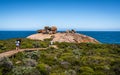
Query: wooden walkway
x=13 y=52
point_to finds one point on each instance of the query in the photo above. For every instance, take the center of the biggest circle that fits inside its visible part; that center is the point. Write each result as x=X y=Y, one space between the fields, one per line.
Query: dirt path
x=13 y=52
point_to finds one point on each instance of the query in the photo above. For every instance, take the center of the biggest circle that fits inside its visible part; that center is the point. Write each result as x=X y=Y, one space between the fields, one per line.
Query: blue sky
x=82 y=15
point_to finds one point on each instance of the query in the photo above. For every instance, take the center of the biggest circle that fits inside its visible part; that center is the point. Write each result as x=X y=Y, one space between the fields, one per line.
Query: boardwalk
x=13 y=52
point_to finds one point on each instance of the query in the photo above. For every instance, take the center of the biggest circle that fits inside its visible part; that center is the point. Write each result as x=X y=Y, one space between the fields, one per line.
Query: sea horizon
x=106 y=37
x=75 y=30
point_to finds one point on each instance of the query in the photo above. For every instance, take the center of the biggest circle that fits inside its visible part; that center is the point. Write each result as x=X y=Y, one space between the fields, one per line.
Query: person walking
x=18 y=41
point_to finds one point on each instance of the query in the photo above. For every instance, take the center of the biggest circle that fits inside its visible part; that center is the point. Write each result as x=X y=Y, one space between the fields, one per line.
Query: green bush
x=5 y=65
x=33 y=55
x=42 y=69
x=29 y=62
x=20 y=70
x=85 y=70
x=115 y=66
x=70 y=72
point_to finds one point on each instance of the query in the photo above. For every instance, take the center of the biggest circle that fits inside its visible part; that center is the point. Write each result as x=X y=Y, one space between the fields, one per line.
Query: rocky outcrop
x=68 y=36
x=70 y=31
x=48 y=30
x=64 y=37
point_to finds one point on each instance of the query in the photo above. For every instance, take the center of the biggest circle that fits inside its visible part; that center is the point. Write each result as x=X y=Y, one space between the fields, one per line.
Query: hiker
x=18 y=41
x=51 y=42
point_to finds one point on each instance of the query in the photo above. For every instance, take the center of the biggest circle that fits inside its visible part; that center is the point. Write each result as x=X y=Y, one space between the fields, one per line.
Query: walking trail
x=13 y=52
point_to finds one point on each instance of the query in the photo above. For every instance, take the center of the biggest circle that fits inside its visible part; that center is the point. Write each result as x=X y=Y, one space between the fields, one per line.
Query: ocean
x=108 y=37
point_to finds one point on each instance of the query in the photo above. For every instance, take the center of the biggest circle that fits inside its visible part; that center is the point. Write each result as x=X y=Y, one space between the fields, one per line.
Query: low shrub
x=33 y=55
x=5 y=65
x=42 y=68
x=85 y=70
x=29 y=62
x=20 y=70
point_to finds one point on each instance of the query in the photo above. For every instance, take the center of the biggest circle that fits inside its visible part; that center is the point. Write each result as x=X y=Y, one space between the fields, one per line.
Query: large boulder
x=70 y=31
x=54 y=28
x=39 y=31
x=48 y=30
x=65 y=37
x=42 y=31
x=46 y=27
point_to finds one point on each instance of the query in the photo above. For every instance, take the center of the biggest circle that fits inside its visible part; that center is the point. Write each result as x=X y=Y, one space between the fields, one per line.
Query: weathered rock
x=67 y=31
x=65 y=37
x=53 y=28
x=71 y=31
x=48 y=30
x=42 y=31
x=46 y=27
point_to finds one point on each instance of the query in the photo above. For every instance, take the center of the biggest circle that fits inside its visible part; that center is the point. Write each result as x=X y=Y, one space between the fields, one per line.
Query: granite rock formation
x=48 y=30
x=68 y=36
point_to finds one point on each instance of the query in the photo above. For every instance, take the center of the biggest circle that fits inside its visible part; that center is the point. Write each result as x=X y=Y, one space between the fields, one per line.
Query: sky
x=81 y=15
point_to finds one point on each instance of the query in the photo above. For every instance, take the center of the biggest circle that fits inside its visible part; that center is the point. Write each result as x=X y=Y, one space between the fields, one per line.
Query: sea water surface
x=110 y=37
